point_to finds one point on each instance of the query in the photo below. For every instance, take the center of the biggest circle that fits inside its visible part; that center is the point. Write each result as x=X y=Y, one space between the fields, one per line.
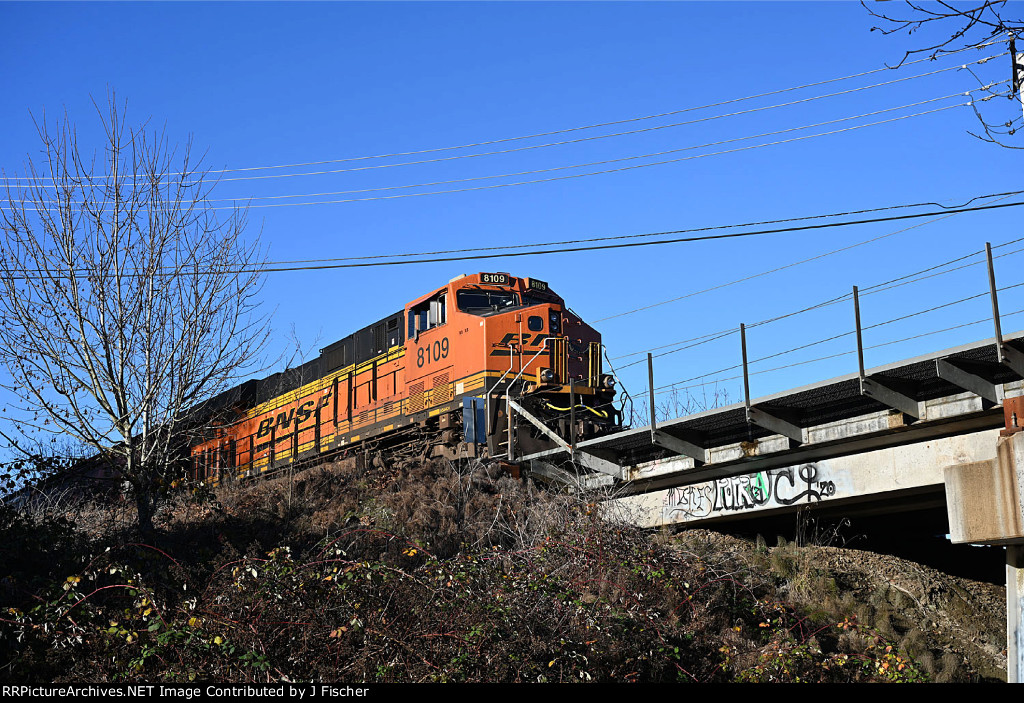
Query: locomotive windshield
x=489 y=302
x=486 y=302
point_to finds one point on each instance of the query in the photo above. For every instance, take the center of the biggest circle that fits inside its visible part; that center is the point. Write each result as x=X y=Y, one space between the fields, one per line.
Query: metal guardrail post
x=860 y=341
x=650 y=390
x=660 y=439
x=1007 y=355
x=995 y=302
x=877 y=388
x=746 y=376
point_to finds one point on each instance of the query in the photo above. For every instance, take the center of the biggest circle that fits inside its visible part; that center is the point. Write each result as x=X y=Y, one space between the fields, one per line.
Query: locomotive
x=440 y=378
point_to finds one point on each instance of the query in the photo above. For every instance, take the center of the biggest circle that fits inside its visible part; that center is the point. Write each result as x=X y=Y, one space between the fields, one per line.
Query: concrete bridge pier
x=983 y=500
x=1014 y=613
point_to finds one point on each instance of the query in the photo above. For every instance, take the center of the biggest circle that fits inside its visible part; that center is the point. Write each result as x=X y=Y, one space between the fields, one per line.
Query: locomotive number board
x=498 y=279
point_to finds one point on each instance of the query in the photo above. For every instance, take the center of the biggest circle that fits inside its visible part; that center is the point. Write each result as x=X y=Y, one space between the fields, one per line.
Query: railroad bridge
x=933 y=435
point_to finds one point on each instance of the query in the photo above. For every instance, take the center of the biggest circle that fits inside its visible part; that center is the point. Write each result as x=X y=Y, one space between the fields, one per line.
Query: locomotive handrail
x=622 y=387
x=487 y=400
x=508 y=407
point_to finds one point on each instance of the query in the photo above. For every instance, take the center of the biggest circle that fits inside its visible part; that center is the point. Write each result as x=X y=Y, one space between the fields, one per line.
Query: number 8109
x=432 y=352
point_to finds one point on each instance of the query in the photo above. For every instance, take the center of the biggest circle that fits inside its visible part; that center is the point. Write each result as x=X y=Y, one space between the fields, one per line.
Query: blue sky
x=264 y=84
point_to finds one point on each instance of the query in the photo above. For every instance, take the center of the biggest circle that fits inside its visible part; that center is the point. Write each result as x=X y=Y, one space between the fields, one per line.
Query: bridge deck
x=941 y=389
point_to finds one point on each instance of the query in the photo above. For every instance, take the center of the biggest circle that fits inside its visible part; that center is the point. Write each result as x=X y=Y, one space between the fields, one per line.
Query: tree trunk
x=145 y=505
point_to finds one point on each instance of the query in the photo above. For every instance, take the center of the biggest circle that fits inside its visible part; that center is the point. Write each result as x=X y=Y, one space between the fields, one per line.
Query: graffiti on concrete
x=765 y=489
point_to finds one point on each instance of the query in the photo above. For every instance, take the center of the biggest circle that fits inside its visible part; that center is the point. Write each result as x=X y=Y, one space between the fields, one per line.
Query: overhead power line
x=623 y=158
x=593 y=173
x=249 y=200
x=565 y=250
x=584 y=127
x=847 y=334
x=999 y=196
x=336 y=264
x=761 y=274
x=616 y=134
x=897 y=282
x=584 y=175
x=610 y=123
x=676 y=387
x=646 y=235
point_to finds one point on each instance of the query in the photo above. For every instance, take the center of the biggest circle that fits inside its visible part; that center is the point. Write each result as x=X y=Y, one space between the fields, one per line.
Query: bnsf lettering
x=285 y=420
x=512 y=338
x=305 y=410
x=300 y=415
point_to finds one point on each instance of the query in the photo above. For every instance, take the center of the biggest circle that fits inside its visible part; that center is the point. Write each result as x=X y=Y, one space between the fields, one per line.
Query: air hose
x=599 y=413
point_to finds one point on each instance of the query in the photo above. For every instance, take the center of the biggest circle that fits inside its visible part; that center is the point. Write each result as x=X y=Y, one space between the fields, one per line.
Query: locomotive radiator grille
x=417 y=398
x=442 y=391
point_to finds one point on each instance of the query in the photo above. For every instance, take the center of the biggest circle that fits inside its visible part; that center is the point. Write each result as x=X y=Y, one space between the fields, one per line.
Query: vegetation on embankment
x=450 y=574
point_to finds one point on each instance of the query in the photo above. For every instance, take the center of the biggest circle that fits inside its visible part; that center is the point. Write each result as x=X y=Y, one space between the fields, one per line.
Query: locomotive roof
x=362 y=345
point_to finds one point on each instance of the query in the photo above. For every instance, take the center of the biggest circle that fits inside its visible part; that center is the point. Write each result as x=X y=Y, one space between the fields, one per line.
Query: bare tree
x=943 y=28
x=125 y=299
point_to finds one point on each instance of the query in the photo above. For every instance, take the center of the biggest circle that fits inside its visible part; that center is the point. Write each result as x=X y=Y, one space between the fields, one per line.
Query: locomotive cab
x=504 y=338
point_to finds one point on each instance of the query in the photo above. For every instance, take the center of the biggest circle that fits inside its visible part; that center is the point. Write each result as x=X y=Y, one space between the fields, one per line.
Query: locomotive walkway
x=936 y=428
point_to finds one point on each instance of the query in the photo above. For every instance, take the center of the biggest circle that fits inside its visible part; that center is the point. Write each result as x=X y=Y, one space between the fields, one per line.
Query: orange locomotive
x=431 y=379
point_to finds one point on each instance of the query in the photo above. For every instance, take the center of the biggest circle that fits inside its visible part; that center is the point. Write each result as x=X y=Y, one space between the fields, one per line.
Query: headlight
x=547 y=376
x=556 y=321
x=608 y=381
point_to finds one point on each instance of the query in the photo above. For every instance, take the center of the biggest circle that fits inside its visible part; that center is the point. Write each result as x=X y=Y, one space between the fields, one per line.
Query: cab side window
x=428 y=314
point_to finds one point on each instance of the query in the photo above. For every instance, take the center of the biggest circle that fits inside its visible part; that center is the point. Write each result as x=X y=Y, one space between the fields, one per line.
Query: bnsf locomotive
x=432 y=380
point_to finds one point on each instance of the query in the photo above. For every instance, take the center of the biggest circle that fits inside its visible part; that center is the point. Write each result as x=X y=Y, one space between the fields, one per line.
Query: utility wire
x=617 y=134
x=580 y=175
x=620 y=169
x=803 y=218
x=878 y=288
x=611 y=161
x=764 y=273
x=847 y=334
x=580 y=128
x=870 y=290
x=250 y=199
x=595 y=173
x=663 y=389
x=564 y=250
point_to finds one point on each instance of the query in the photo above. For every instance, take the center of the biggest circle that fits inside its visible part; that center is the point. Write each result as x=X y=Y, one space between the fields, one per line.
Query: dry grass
x=444 y=572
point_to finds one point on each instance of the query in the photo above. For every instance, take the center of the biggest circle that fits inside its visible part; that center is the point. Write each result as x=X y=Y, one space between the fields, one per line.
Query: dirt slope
x=955 y=627
x=463 y=573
